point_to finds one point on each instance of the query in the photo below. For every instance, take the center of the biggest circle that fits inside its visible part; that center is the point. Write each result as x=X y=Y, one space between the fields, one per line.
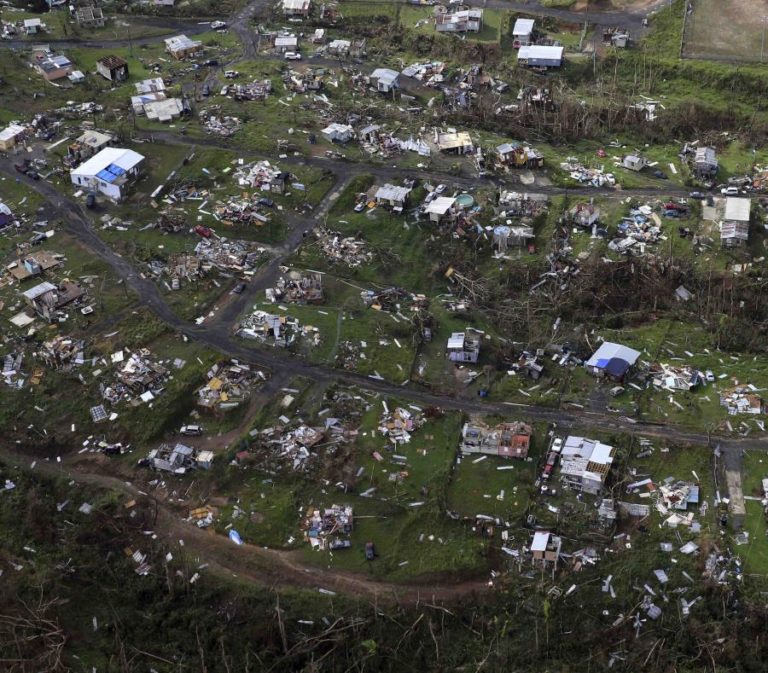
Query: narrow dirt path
x=263 y=566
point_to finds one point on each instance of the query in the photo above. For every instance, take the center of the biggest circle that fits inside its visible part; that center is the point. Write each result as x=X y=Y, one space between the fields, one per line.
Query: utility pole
x=762 y=42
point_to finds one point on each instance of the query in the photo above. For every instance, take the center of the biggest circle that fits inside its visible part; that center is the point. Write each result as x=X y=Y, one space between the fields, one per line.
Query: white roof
x=181 y=42
x=611 y=351
x=94 y=138
x=385 y=75
x=392 y=193
x=537 y=51
x=295 y=4
x=286 y=41
x=11 y=131
x=109 y=156
x=441 y=205
x=150 y=85
x=456 y=340
x=164 y=110
x=40 y=289
x=540 y=539
x=737 y=209
x=30 y=23
x=335 y=127
x=523 y=27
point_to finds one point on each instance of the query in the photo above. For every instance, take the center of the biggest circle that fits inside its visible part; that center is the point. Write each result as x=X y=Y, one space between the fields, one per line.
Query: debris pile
x=742 y=399
x=228 y=385
x=393 y=300
x=177 y=459
x=138 y=379
x=221 y=126
x=262 y=175
x=350 y=251
x=62 y=353
x=674 y=378
x=636 y=231
x=328 y=528
x=228 y=255
x=276 y=330
x=296 y=288
x=595 y=177
x=280 y=445
x=399 y=424
x=256 y=90
x=12 y=374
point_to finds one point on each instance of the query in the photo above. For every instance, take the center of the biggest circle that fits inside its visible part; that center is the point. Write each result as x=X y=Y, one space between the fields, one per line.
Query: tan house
x=181 y=47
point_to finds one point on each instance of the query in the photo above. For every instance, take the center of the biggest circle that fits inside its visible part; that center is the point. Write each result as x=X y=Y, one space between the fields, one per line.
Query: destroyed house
x=464 y=347
x=34 y=264
x=612 y=361
x=52 y=66
x=180 y=47
x=734 y=228
x=33 y=26
x=545 y=548
x=323 y=528
x=140 y=374
x=385 y=80
x=672 y=378
x=89 y=17
x=742 y=400
x=110 y=172
x=518 y=156
x=47 y=299
x=88 y=144
x=457 y=142
x=177 y=459
x=113 y=68
x=705 y=162
x=584 y=215
x=339 y=47
x=393 y=196
x=506 y=440
x=463 y=21
x=585 y=463
x=228 y=385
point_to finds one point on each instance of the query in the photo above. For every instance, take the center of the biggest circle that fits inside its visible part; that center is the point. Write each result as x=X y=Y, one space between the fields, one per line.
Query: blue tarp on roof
x=110 y=173
x=614 y=366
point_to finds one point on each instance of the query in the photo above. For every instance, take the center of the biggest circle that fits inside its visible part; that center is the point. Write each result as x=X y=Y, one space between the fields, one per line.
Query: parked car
x=730 y=191
x=439 y=189
x=206 y=90
x=203 y=231
x=660 y=174
x=218 y=25
x=359 y=207
x=264 y=201
x=697 y=195
x=90 y=201
x=239 y=288
x=370 y=551
x=710 y=376
x=23 y=167
x=557 y=445
x=211 y=62
x=339 y=544
x=191 y=430
x=292 y=56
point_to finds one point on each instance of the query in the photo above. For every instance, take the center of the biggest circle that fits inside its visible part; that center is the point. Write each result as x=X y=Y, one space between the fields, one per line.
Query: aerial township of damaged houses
x=470 y=301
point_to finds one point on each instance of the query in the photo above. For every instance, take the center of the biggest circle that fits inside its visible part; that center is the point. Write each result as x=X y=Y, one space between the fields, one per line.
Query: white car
x=439 y=189
x=557 y=445
x=709 y=375
x=292 y=56
x=191 y=430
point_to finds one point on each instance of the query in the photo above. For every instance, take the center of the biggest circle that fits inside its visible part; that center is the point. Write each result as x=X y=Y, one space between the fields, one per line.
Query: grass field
x=725 y=30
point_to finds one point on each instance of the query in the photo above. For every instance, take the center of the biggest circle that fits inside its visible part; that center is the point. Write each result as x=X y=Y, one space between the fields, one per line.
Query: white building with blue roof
x=110 y=172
